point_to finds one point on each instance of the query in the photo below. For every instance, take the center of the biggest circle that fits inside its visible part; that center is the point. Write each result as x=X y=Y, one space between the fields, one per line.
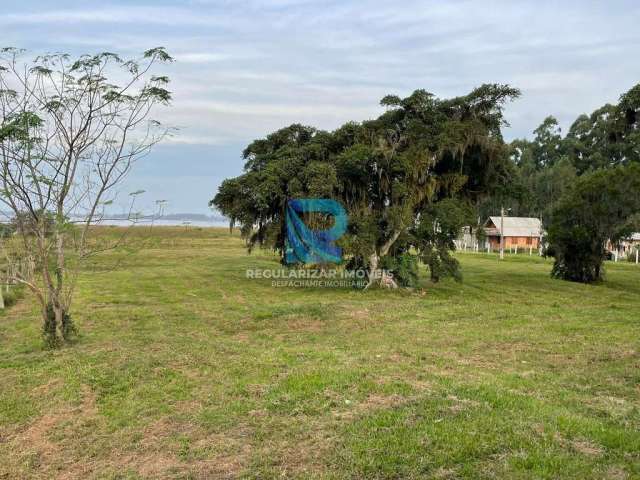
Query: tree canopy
x=389 y=173
x=581 y=184
x=546 y=167
x=599 y=208
x=70 y=131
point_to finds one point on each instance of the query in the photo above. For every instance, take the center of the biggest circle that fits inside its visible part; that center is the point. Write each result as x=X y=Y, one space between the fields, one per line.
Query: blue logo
x=304 y=245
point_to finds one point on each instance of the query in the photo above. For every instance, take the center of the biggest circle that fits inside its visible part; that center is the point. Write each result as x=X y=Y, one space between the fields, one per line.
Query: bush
x=435 y=234
x=597 y=209
x=404 y=268
x=49 y=330
x=441 y=264
x=25 y=224
x=11 y=297
x=6 y=230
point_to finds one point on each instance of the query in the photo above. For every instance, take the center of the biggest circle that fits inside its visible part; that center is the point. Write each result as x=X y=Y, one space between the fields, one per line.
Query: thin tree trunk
x=1 y=297
x=373 y=268
x=382 y=277
x=62 y=319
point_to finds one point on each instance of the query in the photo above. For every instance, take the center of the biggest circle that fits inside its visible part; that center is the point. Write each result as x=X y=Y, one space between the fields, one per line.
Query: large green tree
x=608 y=137
x=601 y=207
x=388 y=173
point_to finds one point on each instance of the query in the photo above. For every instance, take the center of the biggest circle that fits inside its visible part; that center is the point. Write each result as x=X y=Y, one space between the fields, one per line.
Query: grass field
x=186 y=369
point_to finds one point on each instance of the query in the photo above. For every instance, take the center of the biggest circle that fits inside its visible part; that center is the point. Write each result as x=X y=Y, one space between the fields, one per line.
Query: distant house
x=520 y=232
x=632 y=245
x=626 y=246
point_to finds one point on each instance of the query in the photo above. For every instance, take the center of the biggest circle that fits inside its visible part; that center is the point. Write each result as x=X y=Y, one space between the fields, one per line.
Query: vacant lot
x=186 y=369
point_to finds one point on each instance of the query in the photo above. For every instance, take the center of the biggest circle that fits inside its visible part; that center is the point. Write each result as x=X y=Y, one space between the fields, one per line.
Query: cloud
x=180 y=139
x=292 y=109
x=119 y=15
x=246 y=68
x=202 y=57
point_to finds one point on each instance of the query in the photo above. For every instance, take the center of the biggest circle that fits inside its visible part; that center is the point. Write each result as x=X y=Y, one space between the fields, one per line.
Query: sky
x=246 y=68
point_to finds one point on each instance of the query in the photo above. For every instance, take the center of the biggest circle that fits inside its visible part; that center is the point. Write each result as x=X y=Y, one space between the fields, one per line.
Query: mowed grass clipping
x=187 y=369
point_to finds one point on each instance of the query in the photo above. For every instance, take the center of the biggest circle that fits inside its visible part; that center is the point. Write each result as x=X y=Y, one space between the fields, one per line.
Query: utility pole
x=501 y=233
x=540 y=237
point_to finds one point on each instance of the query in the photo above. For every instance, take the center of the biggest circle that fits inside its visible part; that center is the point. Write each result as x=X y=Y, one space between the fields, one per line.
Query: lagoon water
x=162 y=223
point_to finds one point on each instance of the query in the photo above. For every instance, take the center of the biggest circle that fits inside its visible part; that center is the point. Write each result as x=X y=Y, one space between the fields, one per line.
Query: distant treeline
x=543 y=168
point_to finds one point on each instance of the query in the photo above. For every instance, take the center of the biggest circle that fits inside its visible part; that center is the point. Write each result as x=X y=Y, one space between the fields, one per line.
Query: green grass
x=186 y=369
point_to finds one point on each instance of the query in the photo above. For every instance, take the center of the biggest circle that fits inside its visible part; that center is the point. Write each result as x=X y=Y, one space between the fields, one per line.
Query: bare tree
x=70 y=131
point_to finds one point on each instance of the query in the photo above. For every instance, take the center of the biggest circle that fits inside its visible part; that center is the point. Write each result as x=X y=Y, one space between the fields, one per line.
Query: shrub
x=598 y=208
x=404 y=268
x=68 y=328
x=11 y=297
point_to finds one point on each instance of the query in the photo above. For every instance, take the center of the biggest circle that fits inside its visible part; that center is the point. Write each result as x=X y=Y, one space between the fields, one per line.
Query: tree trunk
x=375 y=276
x=57 y=322
x=435 y=278
x=373 y=267
x=58 y=315
x=63 y=320
x=50 y=326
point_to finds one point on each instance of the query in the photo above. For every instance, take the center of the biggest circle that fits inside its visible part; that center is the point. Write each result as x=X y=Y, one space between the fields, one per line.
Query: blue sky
x=246 y=68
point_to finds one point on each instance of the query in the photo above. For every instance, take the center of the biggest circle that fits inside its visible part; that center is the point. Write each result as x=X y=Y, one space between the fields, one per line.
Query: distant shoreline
x=162 y=223
x=126 y=220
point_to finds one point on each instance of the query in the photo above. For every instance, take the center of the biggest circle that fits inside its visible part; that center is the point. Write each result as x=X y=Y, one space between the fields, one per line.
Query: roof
x=516 y=226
